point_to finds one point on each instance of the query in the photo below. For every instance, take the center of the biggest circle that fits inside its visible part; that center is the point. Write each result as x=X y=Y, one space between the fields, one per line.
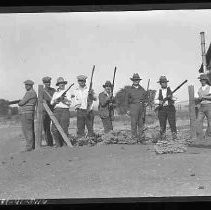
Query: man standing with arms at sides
x=134 y=101
x=84 y=116
x=166 y=109
x=27 y=110
x=61 y=111
x=46 y=118
x=106 y=103
x=204 y=100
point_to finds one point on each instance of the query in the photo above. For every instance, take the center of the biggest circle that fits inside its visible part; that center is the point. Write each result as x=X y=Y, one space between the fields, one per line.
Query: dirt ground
x=102 y=171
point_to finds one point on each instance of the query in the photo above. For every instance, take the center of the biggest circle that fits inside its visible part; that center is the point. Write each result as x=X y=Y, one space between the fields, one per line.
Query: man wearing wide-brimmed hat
x=47 y=95
x=61 y=111
x=106 y=106
x=204 y=100
x=27 y=110
x=134 y=101
x=167 y=111
x=84 y=117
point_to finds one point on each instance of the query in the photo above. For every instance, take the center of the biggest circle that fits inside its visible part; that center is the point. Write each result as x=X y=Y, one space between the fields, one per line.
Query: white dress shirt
x=61 y=104
x=81 y=95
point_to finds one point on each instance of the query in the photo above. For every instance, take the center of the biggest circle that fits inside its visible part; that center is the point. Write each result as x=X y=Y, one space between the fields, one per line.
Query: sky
x=151 y=43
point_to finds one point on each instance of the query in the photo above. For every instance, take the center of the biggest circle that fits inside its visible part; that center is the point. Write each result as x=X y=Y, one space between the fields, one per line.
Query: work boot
x=174 y=136
x=162 y=136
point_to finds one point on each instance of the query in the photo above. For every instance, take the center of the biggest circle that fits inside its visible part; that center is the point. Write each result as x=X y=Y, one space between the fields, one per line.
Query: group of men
x=136 y=100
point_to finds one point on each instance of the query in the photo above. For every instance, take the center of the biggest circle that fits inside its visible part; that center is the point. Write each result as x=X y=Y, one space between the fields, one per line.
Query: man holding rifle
x=61 y=102
x=135 y=101
x=204 y=100
x=84 y=98
x=47 y=95
x=166 y=109
x=106 y=103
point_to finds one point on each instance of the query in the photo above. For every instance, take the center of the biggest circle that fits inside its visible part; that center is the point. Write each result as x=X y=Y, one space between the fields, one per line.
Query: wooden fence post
x=192 y=112
x=39 y=116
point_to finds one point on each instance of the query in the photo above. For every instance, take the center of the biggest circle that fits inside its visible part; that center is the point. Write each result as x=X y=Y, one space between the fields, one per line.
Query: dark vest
x=169 y=92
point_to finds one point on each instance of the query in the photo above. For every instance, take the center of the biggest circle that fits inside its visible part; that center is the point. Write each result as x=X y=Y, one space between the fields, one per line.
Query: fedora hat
x=135 y=77
x=60 y=80
x=107 y=84
x=162 y=79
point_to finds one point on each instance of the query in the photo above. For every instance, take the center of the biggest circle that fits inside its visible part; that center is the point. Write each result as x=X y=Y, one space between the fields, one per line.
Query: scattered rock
x=201 y=187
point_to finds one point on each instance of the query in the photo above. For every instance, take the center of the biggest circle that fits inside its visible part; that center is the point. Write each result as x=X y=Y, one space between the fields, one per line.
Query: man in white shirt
x=204 y=100
x=61 y=111
x=84 y=116
x=167 y=109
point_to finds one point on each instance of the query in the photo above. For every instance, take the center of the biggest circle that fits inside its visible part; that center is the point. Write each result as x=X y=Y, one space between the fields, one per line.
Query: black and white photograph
x=105 y=104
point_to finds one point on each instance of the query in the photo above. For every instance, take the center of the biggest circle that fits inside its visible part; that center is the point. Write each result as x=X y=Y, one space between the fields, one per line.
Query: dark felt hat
x=135 y=77
x=162 y=79
x=107 y=84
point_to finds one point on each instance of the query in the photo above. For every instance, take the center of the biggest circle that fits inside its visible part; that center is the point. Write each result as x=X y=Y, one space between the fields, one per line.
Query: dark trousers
x=167 y=113
x=47 y=129
x=204 y=111
x=63 y=117
x=27 y=121
x=107 y=124
x=85 y=119
x=137 y=123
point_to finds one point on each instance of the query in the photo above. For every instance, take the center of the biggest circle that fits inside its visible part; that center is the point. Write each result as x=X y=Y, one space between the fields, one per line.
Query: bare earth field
x=103 y=171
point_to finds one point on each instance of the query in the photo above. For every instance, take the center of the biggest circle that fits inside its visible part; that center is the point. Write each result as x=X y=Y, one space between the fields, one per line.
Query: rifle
x=111 y=108
x=147 y=94
x=14 y=102
x=166 y=98
x=64 y=93
x=90 y=97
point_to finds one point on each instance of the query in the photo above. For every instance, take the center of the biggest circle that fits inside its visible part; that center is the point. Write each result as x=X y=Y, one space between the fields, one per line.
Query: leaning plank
x=58 y=126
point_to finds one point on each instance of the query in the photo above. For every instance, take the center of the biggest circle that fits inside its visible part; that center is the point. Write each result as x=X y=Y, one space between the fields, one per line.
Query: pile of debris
x=118 y=137
x=169 y=145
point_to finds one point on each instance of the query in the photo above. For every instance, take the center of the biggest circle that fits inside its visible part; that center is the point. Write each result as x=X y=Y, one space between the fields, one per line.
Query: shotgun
x=111 y=108
x=147 y=97
x=90 y=96
x=64 y=93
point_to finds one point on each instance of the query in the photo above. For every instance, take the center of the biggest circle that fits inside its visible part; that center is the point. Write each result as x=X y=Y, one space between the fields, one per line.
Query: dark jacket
x=103 y=107
x=51 y=91
x=135 y=95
